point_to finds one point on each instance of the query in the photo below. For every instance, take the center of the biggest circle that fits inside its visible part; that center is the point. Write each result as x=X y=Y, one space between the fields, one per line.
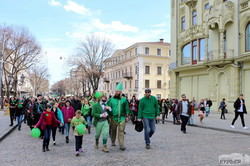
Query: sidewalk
x=5 y=129
x=214 y=122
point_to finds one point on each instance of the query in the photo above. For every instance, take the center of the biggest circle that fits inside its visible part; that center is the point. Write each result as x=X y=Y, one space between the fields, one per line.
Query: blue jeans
x=47 y=133
x=19 y=120
x=88 y=118
x=149 y=129
x=67 y=127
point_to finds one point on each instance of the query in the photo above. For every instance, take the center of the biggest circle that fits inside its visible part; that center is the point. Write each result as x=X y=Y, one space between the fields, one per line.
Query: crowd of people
x=108 y=115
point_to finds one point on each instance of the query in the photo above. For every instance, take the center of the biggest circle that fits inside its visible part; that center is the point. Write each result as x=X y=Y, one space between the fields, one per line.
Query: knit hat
x=119 y=87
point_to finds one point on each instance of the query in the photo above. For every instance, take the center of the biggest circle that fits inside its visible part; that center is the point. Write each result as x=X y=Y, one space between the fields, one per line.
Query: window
x=207 y=7
x=185 y=58
x=158 y=84
x=125 y=85
x=136 y=84
x=135 y=51
x=248 y=37
x=183 y=23
x=225 y=42
x=130 y=84
x=158 y=51
x=194 y=52
x=146 y=83
x=146 y=50
x=130 y=53
x=202 y=49
x=136 y=70
x=169 y=52
x=147 y=69
x=159 y=70
x=194 y=18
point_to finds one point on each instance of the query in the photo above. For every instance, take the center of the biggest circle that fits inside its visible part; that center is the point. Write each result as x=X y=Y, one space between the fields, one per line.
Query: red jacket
x=68 y=113
x=42 y=121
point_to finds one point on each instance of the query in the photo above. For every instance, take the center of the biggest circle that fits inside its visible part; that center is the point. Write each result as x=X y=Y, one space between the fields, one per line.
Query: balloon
x=80 y=129
x=35 y=132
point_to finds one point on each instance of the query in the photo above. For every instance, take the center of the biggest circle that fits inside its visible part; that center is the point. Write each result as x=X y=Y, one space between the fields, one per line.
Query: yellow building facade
x=210 y=50
x=142 y=65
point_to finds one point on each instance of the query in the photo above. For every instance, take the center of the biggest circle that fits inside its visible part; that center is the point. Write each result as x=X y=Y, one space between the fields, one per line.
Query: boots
x=96 y=144
x=67 y=139
x=105 y=149
x=47 y=145
x=89 y=129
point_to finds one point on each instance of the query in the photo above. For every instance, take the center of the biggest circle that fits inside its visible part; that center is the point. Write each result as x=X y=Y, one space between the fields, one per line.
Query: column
x=221 y=31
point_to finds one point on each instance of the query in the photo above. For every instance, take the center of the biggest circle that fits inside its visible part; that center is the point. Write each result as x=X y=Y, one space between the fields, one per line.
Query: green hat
x=119 y=87
x=97 y=95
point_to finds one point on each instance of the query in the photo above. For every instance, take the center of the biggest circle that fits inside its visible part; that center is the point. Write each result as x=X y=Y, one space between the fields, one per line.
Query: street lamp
x=21 y=83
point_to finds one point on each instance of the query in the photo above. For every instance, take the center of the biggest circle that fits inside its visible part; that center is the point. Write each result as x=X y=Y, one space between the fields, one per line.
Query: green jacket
x=96 y=112
x=75 y=122
x=86 y=110
x=148 y=108
x=120 y=109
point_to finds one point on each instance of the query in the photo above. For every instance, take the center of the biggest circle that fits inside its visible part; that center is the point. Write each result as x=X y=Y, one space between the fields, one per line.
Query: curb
x=10 y=131
x=214 y=128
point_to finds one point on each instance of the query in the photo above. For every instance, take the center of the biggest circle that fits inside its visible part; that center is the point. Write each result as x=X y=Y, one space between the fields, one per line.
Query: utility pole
x=1 y=70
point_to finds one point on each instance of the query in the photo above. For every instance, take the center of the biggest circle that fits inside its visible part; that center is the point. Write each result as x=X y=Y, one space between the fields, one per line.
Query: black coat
x=237 y=106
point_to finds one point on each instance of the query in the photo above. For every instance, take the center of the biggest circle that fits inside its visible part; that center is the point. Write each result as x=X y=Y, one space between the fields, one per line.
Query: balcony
x=220 y=14
x=127 y=75
x=191 y=3
x=106 y=80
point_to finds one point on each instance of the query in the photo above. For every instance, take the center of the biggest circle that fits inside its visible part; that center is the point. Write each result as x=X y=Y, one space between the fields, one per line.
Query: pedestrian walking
x=240 y=109
x=78 y=120
x=68 y=114
x=59 y=116
x=148 y=112
x=222 y=107
x=133 y=105
x=120 y=114
x=76 y=103
x=184 y=111
x=100 y=112
x=19 y=114
x=13 y=107
x=173 y=110
x=191 y=119
x=46 y=121
x=86 y=112
x=207 y=110
x=201 y=110
x=164 y=110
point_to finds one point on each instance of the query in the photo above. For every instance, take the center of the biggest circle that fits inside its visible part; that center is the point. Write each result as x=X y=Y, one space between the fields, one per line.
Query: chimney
x=161 y=40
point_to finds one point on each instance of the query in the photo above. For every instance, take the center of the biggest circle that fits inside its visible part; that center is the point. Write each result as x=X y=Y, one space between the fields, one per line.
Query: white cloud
x=54 y=3
x=163 y=24
x=77 y=8
x=114 y=26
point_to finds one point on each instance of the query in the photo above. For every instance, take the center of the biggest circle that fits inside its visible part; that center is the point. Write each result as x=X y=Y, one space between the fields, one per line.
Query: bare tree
x=92 y=51
x=21 y=51
x=38 y=76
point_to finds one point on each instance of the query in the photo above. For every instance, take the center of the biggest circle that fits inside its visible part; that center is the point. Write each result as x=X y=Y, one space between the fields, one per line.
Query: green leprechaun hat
x=119 y=87
x=97 y=95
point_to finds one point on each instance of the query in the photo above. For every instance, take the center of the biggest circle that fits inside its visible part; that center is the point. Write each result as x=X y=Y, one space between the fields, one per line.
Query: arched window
x=248 y=37
x=186 y=54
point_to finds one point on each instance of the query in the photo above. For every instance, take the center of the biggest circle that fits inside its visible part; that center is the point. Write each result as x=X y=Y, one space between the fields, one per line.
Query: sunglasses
x=147 y=92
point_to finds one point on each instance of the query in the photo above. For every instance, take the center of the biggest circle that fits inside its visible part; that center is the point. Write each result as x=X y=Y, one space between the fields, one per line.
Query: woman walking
x=59 y=116
x=19 y=114
x=86 y=112
x=46 y=121
x=68 y=114
x=13 y=106
x=164 y=110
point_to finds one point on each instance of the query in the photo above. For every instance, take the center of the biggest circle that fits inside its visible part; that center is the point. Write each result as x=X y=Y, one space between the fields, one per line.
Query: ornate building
x=141 y=65
x=210 y=50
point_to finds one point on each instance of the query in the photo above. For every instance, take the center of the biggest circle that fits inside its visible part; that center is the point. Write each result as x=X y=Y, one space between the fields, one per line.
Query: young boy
x=77 y=120
x=207 y=108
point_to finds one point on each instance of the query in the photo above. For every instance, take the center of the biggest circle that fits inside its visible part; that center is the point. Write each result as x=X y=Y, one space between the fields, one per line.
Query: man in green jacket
x=149 y=112
x=100 y=112
x=120 y=112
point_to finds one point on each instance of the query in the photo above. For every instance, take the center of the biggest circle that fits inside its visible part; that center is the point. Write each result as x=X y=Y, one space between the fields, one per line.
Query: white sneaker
x=245 y=128
x=232 y=126
x=54 y=142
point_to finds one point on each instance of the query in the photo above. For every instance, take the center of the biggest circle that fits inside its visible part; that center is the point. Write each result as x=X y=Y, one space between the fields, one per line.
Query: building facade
x=142 y=65
x=210 y=50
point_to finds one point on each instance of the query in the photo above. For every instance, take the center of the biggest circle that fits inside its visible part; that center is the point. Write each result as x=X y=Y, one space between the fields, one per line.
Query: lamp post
x=21 y=83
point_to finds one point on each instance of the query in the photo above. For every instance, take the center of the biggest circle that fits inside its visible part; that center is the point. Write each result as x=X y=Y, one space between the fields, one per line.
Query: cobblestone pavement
x=4 y=123
x=169 y=146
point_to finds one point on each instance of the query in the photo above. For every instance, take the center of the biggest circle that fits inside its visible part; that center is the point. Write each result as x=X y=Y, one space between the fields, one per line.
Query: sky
x=58 y=25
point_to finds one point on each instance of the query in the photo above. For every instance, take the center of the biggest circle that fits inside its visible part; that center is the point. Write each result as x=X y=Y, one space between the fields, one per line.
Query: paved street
x=169 y=147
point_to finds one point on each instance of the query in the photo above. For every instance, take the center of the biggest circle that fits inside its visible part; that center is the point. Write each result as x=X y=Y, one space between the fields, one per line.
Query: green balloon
x=80 y=129
x=35 y=132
